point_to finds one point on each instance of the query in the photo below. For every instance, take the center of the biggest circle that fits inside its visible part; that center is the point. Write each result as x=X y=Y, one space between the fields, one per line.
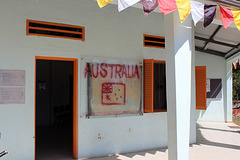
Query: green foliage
x=236 y=82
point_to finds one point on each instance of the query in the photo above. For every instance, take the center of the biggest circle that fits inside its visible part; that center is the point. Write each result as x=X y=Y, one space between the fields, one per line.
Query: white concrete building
x=48 y=81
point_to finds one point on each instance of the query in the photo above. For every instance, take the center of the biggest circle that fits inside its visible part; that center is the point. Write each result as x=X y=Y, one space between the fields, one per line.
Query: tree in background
x=236 y=82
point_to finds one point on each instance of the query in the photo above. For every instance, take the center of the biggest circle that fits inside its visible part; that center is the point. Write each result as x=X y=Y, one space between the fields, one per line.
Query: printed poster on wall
x=215 y=90
x=113 y=88
x=12 y=86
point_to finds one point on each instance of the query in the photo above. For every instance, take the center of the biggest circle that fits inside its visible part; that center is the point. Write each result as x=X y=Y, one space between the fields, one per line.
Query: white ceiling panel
x=199 y=43
x=230 y=35
x=205 y=33
x=219 y=48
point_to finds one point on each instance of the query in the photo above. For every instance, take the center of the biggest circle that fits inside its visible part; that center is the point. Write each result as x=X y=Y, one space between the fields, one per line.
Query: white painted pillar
x=193 y=131
x=228 y=105
x=178 y=70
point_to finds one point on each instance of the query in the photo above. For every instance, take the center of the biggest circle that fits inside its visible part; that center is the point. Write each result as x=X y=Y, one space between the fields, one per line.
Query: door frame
x=75 y=100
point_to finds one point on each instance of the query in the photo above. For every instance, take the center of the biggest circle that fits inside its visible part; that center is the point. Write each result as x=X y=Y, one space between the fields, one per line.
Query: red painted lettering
x=87 y=70
x=124 y=71
x=103 y=71
x=132 y=71
x=118 y=70
x=129 y=72
x=111 y=65
x=136 y=72
x=95 y=76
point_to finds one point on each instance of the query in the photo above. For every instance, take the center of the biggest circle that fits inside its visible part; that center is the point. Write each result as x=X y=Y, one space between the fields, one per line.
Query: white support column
x=228 y=104
x=193 y=131
x=178 y=70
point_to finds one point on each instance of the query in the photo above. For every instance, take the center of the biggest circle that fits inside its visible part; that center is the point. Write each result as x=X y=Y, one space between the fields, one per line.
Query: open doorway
x=56 y=109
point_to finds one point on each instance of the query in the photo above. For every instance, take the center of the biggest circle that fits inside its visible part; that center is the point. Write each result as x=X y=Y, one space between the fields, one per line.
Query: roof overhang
x=215 y=39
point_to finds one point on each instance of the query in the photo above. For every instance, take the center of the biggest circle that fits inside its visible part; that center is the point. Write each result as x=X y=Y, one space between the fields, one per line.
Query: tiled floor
x=215 y=141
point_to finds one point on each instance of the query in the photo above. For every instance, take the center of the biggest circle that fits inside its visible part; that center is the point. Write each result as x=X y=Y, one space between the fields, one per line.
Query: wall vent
x=40 y=28
x=153 y=41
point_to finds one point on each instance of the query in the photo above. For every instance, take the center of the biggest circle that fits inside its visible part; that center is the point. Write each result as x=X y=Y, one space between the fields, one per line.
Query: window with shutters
x=154 y=86
x=200 y=77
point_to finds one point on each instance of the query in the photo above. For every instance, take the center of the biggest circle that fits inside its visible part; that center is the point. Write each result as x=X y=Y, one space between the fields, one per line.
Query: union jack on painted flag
x=113 y=93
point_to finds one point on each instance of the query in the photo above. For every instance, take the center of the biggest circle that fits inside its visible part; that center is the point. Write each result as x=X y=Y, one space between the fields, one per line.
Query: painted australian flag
x=113 y=93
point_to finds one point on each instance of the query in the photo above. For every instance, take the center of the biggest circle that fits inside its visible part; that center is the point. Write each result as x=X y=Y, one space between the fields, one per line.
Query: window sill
x=163 y=110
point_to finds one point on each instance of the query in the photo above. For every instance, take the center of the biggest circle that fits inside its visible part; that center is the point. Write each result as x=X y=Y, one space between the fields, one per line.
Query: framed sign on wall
x=214 y=88
x=114 y=87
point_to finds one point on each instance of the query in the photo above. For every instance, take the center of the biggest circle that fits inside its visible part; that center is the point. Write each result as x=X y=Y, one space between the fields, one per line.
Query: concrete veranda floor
x=215 y=141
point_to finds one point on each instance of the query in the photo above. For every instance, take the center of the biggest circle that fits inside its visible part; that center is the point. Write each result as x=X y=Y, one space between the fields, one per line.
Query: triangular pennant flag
x=167 y=6
x=227 y=17
x=123 y=4
x=184 y=9
x=149 y=6
x=102 y=3
x=235 y=64
x=236 y=15
x=209 y=14
x=197 y=10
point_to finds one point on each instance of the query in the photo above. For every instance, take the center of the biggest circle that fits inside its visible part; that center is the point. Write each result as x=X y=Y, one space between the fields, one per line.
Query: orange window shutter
x=148 y=85
x=201 y=94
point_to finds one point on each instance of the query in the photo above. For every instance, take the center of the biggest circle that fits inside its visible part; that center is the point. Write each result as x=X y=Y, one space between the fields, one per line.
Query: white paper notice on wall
x=208 y=85
x=12 y=77
x=12 y=86
x=12 y=95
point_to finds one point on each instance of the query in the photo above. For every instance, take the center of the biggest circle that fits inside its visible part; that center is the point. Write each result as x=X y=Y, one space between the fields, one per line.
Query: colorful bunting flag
x=123 y=4
x=235 y=64
x=209 y=14
x=149 y=6
x=197 y=10
x=236 y=15
x=184 y=9
x=226 y=16
x=102 y=3
x=167 y=6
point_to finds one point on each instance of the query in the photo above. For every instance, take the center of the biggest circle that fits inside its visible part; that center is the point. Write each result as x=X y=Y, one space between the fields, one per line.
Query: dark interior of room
x=54 y=109
x=160 y=101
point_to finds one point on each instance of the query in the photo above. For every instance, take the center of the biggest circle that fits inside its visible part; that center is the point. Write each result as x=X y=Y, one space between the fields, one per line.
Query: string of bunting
x=185 y=7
